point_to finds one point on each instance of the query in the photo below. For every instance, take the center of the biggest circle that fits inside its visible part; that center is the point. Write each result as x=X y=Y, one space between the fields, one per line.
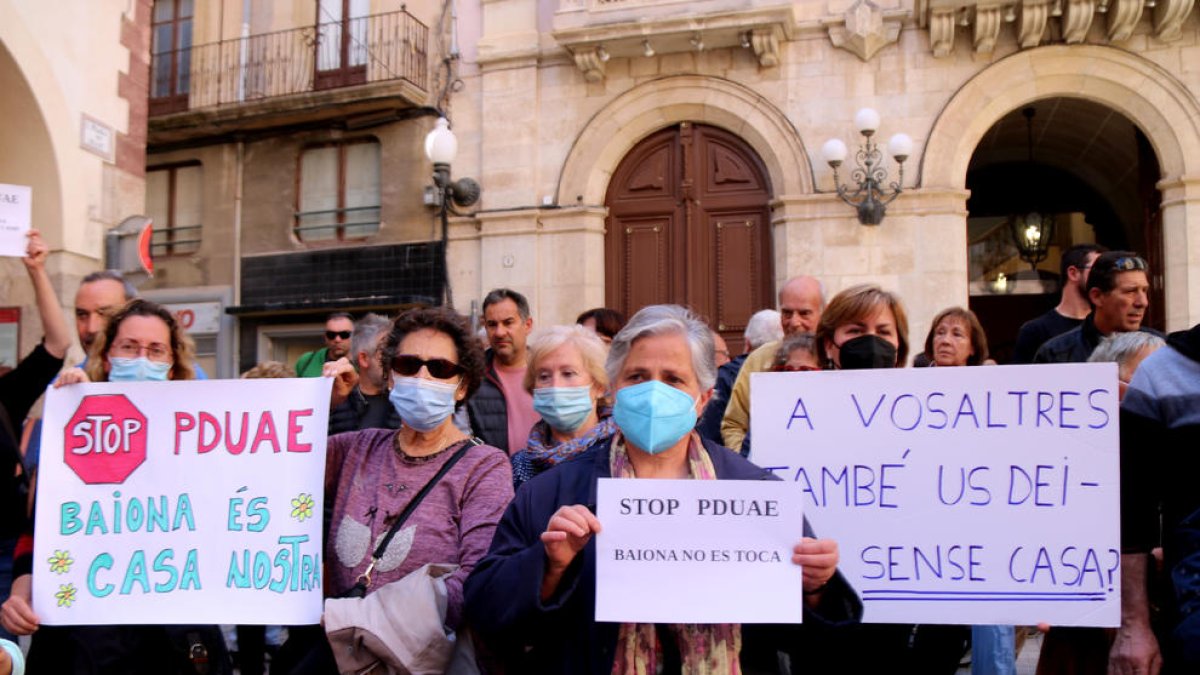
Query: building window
x=339 y=191
x=171 y=55
x=173 y=202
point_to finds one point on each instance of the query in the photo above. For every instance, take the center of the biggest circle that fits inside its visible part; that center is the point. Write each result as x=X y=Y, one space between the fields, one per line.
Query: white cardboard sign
x=698 y=551
x=181 y=502
x=976 y=495
x=15 y=216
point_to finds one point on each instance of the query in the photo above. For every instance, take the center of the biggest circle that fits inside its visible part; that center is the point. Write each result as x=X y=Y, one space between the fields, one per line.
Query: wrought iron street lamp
x=867 y=195
x=441 y=147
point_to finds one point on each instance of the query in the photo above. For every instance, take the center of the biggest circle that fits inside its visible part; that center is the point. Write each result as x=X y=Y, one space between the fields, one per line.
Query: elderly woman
x=797 y=353
x=433 y=364
x=567 y=379
x=956 y=338
x=534 y=594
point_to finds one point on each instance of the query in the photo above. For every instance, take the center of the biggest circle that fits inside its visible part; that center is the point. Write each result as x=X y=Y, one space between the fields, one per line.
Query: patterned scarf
x=704 y=649
x=544 y=453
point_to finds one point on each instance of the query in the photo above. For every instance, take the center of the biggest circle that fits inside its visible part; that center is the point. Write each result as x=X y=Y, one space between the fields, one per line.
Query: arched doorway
x=1093 y=169
x=689 y=223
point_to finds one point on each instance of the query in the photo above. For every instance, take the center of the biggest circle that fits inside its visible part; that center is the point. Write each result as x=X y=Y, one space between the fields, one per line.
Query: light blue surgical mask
x=422 y=404
x=653 y=416
x=564 y=408
x=140 y=369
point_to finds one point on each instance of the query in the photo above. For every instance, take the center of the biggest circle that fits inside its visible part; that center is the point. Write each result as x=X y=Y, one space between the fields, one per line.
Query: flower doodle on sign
x=302 y=506
x=60 y=562
x=65 y=595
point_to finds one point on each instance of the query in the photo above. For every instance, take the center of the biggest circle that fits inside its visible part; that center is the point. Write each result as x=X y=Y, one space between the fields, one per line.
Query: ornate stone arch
x=650 y=106
x=1149 y=96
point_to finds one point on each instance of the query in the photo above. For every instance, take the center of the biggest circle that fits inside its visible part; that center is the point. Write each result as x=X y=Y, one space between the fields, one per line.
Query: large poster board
x=181 y=502
x=957 y=495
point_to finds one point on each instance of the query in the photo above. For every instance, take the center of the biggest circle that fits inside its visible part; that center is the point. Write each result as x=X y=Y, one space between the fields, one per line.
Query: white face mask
x=422 y=404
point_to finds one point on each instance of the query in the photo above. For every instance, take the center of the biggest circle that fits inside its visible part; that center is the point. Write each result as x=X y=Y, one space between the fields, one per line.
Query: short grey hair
x=762 y=328
x=1119 y=348
x=656 y=320
x=111 y=275
x=366 y=330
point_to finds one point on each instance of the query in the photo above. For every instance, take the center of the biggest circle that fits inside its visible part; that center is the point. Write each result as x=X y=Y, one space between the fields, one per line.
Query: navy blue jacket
x=503 y=594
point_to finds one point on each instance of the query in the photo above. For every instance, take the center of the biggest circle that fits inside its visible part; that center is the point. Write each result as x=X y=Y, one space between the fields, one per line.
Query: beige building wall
x=57 y=73
x=547 y=138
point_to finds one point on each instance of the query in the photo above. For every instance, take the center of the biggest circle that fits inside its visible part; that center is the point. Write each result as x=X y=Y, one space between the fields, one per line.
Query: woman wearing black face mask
x=863 y=327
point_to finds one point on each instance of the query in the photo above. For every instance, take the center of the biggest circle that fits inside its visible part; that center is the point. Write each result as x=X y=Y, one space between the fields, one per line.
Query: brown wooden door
x=341 y=44
x=689 y=223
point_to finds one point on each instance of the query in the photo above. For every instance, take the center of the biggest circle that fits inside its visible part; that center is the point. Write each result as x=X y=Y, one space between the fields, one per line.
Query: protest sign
x=181 y=502
x=957 y=495
x=15 y=216
x=698 y=551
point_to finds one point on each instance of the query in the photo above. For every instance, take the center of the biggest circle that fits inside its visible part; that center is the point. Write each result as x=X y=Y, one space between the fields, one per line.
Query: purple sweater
x=369 y=484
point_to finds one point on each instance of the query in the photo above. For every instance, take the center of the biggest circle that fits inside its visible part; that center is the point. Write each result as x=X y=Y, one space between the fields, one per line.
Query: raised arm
x=57 y=337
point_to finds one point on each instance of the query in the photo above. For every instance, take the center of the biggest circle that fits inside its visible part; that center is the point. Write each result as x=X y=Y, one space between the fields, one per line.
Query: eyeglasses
x=1130 y=264
x=343 y=334
x=131 y=349
x=409 y=365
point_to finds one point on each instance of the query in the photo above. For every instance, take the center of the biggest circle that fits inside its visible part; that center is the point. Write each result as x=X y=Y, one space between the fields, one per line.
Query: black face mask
x=866 y=351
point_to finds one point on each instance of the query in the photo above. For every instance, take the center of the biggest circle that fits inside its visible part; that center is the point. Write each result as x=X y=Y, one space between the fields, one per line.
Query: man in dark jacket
x=501 y=411
x=1160 y=434
x=1119 y=289
x=367 y=406
x=1072 y=306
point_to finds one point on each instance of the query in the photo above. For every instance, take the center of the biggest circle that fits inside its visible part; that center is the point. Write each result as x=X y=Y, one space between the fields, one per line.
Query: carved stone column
x=988 y=21
x=1169 y=16
x=1077 y=19
x=1031 y=23
x=1123 y=17
x=941 y=32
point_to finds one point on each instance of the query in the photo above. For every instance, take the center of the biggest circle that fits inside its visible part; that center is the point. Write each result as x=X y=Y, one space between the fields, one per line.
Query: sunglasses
x=343 y=334
x=409 y=365
x=1129 y=264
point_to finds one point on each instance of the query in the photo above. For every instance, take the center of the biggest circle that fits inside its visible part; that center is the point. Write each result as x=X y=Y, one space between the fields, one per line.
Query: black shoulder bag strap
x=364 y=580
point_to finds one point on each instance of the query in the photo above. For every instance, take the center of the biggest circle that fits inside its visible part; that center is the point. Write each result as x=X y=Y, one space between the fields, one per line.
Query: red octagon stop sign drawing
x=105 y=439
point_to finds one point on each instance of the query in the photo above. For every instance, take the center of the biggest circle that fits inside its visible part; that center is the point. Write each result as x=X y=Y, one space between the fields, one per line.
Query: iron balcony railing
x=376 y=48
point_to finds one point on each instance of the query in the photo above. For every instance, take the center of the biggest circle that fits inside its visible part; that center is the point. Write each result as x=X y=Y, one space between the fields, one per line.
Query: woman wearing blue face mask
x=533 y=596
x=141 y=342
x=371 y=476
x=567 y=379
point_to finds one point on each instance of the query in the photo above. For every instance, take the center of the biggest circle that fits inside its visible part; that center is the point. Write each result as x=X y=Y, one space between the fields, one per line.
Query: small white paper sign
x=181 y=502
x=662 y=541
x=984 y=495
x=15 y=217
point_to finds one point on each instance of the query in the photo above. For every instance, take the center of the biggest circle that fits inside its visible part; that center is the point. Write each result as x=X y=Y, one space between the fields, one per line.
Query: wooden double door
x=689 y=223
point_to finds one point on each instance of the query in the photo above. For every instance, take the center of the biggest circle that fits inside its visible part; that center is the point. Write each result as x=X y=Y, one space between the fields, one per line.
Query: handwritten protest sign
x=15 y=217
x=181 y=502
x=663 y=540
x=957 y=495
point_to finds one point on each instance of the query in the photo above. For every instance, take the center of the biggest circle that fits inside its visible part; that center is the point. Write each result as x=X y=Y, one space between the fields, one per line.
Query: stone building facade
x=629 y=151
x=74 y=130
x=560 y=92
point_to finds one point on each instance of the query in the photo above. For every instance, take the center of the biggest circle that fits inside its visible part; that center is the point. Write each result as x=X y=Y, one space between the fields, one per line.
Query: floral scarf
x=543 y=453
x=704 y=649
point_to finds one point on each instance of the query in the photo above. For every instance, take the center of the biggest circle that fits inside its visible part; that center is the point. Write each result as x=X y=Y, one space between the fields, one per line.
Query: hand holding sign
x=36 y=251
x=818 y=558
x=17 y=615
x=569 y=530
